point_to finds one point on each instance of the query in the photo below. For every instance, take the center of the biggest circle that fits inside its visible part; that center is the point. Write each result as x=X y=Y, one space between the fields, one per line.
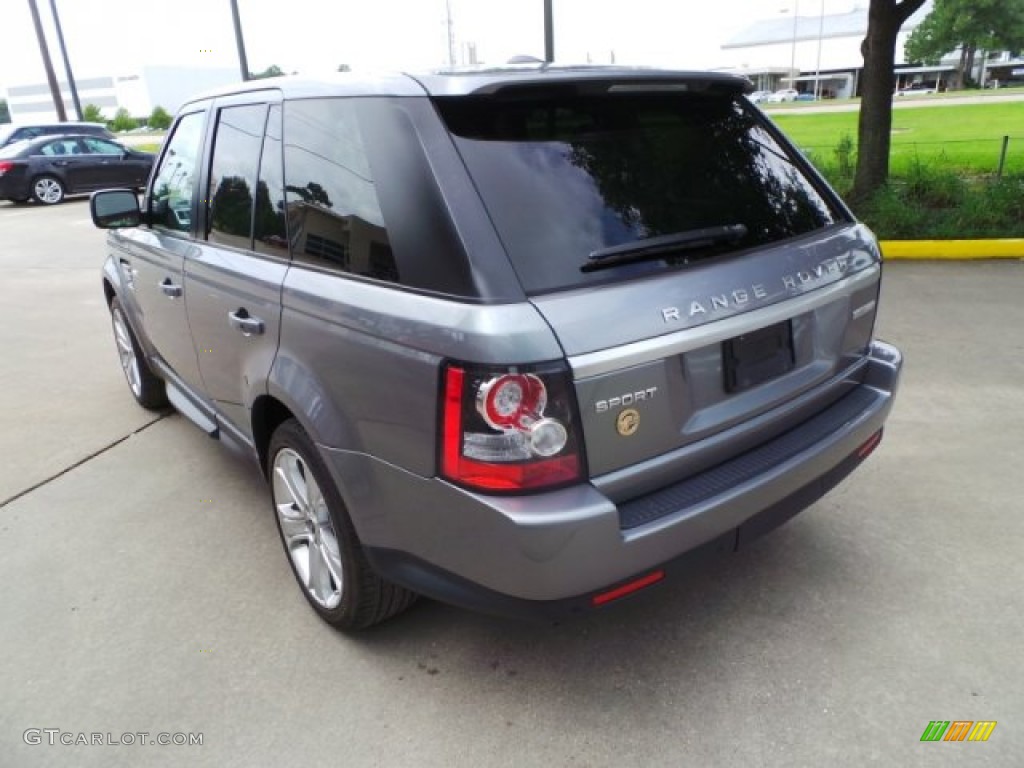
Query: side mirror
x=115 y=209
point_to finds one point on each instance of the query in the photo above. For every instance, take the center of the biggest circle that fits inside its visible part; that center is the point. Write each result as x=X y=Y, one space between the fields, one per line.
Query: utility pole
x=67 y=61
x=817 y=71
x=792 y=57
x=58 y=102
x=549 y=32
x=239 y=41
x=451 y=33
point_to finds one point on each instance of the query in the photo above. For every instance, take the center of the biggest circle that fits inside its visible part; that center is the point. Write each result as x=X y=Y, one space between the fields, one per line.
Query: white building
x=138 y=92
x=798 y=51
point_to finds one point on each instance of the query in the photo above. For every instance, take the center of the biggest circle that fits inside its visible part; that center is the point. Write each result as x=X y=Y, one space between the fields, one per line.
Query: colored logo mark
x=958 y=730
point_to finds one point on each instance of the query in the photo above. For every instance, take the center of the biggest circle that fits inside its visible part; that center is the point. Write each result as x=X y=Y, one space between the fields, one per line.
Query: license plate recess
x=757 y=357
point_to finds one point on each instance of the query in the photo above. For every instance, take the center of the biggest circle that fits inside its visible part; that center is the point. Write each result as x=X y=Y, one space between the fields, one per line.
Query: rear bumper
x=549 y=553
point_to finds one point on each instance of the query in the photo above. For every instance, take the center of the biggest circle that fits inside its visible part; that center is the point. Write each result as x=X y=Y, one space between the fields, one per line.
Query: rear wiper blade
x=657 y=247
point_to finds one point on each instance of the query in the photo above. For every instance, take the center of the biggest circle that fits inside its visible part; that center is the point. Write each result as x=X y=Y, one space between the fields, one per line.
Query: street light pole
x=549 y=32
x=243 y=63
x=817 y=71
x=67 y=62
x=51 y=78
x=792 y=58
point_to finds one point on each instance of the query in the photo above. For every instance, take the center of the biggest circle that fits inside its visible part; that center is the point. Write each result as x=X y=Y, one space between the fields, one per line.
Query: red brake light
x=5 y=166
x=509 y=431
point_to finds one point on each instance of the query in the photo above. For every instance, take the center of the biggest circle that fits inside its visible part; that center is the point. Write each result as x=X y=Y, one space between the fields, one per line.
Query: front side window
x=170 y=204
x=233 y=173
x=569 y=176
x=101 y=147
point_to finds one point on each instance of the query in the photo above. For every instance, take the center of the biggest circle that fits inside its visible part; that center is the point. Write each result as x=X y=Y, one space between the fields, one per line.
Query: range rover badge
x=628 y=422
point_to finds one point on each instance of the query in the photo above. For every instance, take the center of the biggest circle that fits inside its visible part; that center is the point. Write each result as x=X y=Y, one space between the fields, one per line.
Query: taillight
x=509 y=429
x=5 y=166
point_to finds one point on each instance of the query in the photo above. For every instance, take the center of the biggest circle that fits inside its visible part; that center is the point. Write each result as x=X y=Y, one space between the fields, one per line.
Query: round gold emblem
x=628 y=422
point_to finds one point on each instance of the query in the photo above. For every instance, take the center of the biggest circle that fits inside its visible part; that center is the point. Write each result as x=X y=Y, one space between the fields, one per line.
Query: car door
x=65 y=159
x=152 y=257
x=112 y=166
x=234 y=283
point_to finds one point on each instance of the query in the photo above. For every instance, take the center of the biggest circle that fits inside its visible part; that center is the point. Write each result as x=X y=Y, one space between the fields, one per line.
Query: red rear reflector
x=869 y=445
x=628 y=589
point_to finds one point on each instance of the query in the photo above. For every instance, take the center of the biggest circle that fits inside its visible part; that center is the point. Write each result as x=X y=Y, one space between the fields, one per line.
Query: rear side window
x=233 y=172
x=171 y=197
x=269 y=229
x=565 y=175
x=334 y=215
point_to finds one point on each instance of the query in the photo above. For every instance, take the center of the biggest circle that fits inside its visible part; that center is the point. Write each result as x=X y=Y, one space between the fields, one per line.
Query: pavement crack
x=80 y=462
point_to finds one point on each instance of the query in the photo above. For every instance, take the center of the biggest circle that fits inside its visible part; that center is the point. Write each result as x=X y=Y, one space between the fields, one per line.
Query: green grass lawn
x=962 y=138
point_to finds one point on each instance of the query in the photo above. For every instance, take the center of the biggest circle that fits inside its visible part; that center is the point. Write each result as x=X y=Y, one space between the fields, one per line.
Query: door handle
x=242 y=321
x=170 y=289
x=129 y=273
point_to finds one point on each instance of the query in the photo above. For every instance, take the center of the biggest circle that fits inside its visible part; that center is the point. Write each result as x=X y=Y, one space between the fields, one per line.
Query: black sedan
x=48 y=168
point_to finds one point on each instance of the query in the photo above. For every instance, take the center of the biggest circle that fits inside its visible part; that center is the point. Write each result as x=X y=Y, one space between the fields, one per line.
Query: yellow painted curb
x=954 y=249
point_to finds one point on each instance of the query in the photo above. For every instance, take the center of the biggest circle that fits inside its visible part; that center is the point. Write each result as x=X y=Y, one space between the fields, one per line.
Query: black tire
x=362 y=597
x=48 y=190
x=147 y=388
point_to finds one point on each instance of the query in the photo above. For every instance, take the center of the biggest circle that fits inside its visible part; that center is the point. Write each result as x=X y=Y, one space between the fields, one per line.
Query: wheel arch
x=268 y=413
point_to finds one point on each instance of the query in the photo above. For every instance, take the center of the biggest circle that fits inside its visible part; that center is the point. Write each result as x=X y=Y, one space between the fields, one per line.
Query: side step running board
x=189 y=410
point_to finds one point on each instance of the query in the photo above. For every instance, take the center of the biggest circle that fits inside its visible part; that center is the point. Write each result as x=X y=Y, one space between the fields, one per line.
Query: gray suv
x=526 y=340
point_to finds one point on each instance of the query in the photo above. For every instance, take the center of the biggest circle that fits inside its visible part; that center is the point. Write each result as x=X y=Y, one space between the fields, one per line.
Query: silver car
x=528 y=341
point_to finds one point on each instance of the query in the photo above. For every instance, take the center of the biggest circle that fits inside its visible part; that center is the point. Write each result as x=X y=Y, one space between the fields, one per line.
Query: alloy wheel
x=49 y=191
x=307 y=528
x=126 y=352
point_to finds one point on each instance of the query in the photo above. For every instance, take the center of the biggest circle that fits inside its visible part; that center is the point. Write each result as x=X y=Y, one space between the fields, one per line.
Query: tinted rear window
x=564 y=175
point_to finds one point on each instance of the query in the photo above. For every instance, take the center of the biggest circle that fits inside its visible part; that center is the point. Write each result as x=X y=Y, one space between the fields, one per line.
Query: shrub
x=92 y=114
x=160 y=120
x=123 y=121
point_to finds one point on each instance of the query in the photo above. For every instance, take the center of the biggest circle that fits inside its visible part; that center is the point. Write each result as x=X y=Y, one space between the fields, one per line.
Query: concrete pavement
x=144 y=589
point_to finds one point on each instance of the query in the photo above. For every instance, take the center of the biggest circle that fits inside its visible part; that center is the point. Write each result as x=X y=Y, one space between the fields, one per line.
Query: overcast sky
x=111 y=37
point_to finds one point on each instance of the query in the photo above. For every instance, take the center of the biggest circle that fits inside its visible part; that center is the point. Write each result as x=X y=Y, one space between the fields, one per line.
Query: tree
x=971 y=26
x=272 y=71
x=123 y=121
x=344 y=68
x=5 y=112
x=878 y=81
x=160 y=120
x=92 y=114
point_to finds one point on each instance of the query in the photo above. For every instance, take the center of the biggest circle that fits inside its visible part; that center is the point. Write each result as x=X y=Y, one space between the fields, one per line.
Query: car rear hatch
x=708 y=289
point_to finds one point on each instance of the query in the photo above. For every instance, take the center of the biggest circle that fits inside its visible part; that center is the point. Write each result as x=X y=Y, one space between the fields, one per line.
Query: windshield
x=564 y=175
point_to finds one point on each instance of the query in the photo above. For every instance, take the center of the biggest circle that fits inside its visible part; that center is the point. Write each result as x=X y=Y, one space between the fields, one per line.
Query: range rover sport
x=524 y=340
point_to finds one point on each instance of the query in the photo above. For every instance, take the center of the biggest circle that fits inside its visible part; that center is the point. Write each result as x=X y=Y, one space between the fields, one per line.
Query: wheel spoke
x=287 y=471
x=319 y=574
x=330 y=549
x=293 y=525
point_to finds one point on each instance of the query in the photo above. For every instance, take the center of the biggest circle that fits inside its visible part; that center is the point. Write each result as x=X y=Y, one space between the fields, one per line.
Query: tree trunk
x=969 y=65
x=878 y=82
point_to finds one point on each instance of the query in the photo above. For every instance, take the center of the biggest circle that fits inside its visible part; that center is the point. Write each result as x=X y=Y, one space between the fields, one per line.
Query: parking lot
x=145 y=591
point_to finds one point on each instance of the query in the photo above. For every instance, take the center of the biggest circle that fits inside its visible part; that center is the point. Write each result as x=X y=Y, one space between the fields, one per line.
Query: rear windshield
x=566 y=176
x=14 y=148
